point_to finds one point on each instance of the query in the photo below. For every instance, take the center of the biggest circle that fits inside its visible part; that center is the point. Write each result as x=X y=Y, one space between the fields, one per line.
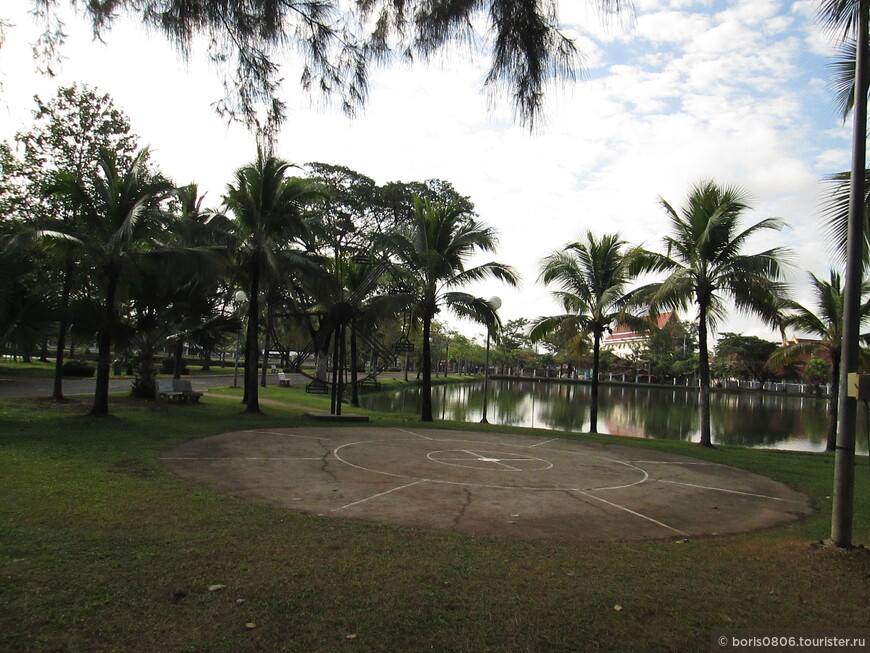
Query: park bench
x=283 y=380
x=166 y=390
x=177 y=390
x=186 y=390
x=317 y=387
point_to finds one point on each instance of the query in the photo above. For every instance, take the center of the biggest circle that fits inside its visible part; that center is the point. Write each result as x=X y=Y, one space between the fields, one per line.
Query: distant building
x=820 y=351
x=625 y=339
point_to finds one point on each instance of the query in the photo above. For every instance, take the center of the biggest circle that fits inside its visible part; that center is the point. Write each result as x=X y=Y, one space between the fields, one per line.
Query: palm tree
x=117 y=220
x=269 y=221
x=827 y=325
x=706 y=267
x=591 y=275
x=433 y=250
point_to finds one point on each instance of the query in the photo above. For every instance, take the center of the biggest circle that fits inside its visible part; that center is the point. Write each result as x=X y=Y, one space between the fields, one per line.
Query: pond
x=750 y=419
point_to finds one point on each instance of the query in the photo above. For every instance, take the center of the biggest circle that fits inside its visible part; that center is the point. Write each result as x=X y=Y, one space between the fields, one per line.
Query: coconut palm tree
x=270 y=225
x=433 y=250
x=591 y=275
x=118 y=219
x=705 y=265
x=827 y=325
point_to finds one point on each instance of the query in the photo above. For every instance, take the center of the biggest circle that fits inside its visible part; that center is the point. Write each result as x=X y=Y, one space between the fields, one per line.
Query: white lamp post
x=495 y=304
x=239 y=298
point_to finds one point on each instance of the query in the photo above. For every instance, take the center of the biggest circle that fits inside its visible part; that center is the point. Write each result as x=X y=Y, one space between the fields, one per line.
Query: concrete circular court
x=487 y=483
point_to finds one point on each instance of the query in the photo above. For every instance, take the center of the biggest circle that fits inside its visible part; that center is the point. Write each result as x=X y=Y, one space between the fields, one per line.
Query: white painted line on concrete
x=419 y=435
x=532 y=446
x=497 y=461
x=380 y=494
x=632 y=512
x=719 y=489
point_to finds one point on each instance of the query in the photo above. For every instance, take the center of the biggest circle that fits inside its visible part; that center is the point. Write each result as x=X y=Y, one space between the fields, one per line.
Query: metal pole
x=486 y=379
x=236 y=370
x=844 y=461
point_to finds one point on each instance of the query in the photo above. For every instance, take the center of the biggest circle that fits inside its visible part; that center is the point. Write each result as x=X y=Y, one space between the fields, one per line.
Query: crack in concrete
x=324 y=467
x=463 y=508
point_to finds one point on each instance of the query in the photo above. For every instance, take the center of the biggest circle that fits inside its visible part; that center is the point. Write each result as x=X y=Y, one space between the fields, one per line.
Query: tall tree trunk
x=596 y=362
x=57 y=392
x=704 y=372
x=833 y=403
x=104 y=355
x=252 y=347
x=426 y=412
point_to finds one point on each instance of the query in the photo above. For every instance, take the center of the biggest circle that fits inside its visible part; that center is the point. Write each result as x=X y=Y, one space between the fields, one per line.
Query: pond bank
x=727 y=389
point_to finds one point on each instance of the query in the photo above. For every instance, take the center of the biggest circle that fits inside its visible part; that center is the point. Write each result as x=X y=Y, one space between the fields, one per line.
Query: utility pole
x=844 y=469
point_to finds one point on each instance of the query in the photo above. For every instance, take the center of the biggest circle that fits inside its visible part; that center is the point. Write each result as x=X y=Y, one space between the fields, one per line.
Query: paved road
x=19 y=386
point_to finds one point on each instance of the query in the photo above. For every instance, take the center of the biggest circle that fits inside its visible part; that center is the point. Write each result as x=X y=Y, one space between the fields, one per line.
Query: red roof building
x=623 y=339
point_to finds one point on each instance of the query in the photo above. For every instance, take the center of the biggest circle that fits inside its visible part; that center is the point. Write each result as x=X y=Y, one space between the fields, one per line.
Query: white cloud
x=671 y=26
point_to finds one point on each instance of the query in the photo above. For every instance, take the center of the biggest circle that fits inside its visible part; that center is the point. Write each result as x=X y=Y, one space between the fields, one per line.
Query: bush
x=78 y=368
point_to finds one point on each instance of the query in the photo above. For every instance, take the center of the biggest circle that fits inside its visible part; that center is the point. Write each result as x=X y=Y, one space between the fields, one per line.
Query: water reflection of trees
x=651 y=413
x=765 y=420
x=746 y=419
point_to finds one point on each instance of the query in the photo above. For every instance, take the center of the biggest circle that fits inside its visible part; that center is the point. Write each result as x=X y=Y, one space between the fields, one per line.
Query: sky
x=681 y=91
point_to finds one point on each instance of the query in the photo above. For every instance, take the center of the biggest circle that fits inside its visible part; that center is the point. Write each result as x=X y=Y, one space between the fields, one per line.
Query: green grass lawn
x=101 y=549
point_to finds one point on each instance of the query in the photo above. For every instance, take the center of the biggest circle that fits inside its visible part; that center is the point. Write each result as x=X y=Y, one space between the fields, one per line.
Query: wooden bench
x=283 y=380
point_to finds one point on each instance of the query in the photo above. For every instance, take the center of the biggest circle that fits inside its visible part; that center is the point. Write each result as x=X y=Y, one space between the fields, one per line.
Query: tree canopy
x=338 y=43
